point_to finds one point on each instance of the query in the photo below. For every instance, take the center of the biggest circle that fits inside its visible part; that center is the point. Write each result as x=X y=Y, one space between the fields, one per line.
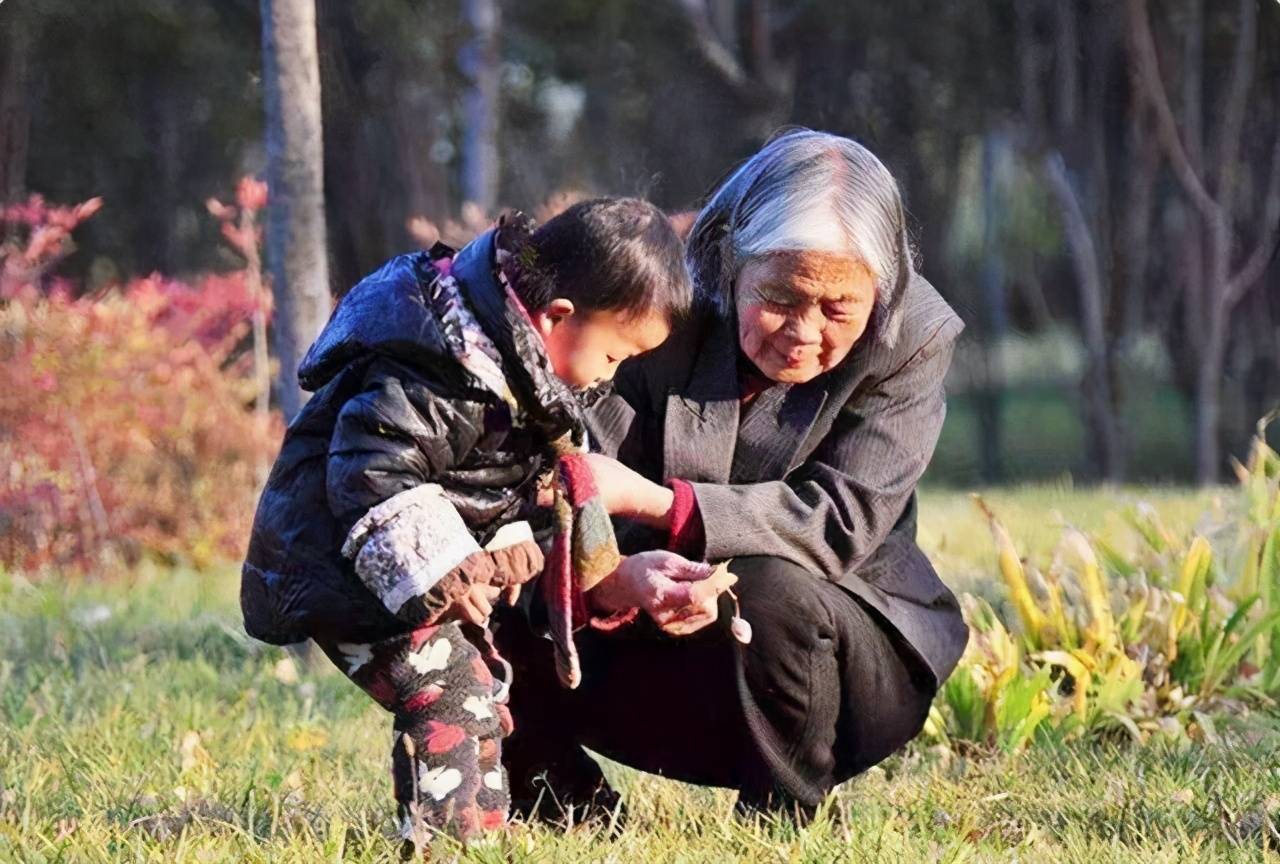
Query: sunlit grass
x=137 y=723
x=955 y=536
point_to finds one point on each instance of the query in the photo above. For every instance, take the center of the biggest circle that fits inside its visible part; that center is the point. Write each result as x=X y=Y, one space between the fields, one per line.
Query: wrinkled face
x=586 y=347
x=800 y=313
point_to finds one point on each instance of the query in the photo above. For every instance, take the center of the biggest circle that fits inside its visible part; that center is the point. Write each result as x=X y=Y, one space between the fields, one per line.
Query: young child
x=402 y=497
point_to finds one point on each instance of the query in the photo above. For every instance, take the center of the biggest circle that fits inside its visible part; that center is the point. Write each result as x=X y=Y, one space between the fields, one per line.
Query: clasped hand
x=662 y=585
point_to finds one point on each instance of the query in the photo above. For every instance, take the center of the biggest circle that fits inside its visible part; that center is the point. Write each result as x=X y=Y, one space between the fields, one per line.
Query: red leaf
x=251 y=194
x=423 y=698
x=443 y=737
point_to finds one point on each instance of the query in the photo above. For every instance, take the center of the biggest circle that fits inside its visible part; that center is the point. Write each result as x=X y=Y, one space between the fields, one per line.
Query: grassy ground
x=137 y=723
x=956 y=538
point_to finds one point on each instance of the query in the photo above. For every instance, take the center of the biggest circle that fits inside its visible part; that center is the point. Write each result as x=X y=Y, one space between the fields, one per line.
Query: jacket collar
x=709 y=437
x=701 y=425
x=473 y=266
x=706 y=437
x=548 y=401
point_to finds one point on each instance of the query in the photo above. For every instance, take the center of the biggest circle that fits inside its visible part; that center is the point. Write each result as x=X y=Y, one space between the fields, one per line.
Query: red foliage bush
x=127 y=425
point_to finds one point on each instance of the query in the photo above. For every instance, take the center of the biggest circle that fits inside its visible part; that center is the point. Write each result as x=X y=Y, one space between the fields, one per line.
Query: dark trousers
x=446 y=748
x=824 y=690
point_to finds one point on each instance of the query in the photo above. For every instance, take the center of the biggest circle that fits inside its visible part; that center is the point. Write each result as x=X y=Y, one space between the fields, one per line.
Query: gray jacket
x=822 y=474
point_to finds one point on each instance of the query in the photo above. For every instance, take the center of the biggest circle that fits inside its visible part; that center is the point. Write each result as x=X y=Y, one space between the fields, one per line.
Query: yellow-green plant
x=1146 y=642
x=989 y=699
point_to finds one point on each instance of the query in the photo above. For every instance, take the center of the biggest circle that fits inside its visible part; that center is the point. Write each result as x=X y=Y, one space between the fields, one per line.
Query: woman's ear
x=546 y=318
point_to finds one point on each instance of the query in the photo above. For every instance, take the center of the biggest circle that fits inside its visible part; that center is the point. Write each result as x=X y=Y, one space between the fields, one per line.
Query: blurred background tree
x=1094 y=185
x=296 y=247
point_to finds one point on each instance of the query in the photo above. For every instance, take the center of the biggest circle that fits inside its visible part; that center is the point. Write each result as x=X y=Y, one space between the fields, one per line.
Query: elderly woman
x=785 y=431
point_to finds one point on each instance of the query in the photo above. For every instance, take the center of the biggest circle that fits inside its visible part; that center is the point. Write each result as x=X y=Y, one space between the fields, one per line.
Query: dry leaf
x=190 y=751
x=286 y=671
x=307 y=738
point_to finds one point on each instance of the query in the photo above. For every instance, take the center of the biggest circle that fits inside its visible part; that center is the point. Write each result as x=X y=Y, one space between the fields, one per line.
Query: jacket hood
x=386 y=314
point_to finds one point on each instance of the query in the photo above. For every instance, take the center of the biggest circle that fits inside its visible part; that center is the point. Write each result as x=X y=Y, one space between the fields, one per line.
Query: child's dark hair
x=606 y=254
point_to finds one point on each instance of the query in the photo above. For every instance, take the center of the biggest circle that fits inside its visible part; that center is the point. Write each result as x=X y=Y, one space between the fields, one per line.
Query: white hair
x=804 y=191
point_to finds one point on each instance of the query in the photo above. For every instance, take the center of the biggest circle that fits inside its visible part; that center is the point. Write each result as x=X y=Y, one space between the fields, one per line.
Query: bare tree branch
x=1256 y=264
x=1084 y=257
x=1084 y=251
x=713 y=51
x=1226 y=148
x=1147 y=76
x=1030 y=62
x=1142 y=160
x=760 y=39
x=1191 y=121
x=480 y=61
x=1066 y=83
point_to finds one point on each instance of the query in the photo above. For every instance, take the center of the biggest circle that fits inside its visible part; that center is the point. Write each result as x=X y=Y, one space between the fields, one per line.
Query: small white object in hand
x=740 y=629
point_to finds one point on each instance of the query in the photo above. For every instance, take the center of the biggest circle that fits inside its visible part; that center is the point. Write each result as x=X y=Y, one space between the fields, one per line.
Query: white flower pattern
x=438 y=782
x=355 y=655
x=431 y=657
x=478 y=707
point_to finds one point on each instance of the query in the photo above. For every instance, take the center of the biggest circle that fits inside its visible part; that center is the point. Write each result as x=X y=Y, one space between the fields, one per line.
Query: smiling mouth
x=793 y=359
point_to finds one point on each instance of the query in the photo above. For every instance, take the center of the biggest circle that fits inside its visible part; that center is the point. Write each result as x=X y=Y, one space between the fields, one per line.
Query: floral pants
x=450 y=718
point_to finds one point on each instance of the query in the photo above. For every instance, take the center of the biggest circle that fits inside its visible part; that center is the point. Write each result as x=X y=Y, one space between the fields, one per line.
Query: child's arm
x=409 y=545
x=392 y=437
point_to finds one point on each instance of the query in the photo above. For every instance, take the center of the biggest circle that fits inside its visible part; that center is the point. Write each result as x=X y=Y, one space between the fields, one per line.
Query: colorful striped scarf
x=583 y=552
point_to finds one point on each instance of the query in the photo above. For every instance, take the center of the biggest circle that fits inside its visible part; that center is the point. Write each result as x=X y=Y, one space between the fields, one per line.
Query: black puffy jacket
x=393 y=409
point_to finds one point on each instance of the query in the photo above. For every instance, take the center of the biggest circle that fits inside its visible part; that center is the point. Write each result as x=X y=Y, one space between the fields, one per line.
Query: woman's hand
x=663 y=585
x=629 y=494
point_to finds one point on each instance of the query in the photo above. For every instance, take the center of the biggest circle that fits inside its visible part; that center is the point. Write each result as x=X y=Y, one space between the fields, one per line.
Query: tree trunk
x=1260 y=381
x=163 y=114
x=295 y=173
x=1193 y=83
x=15 y=108
x=995 y=321
x=1214 y=290
x=1208 y=403
x=1104 y=433
x=480 y=65
x=1142 y=159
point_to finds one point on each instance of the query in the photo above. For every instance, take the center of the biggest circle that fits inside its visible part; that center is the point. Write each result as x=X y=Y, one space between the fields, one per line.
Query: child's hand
x=516 y=558
x=474 y=605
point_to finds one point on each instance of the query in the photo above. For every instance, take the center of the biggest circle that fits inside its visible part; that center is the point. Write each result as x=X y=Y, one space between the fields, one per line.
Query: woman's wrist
x=685 y=532
x=655 y=506
x=614 y=593
x=610 y=604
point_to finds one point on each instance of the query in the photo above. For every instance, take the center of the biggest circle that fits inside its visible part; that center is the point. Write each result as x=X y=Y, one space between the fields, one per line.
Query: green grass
x=138 y=724
x=957 y=540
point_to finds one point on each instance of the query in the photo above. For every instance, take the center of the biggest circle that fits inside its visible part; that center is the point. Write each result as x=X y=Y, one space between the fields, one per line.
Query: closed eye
x=780 y=301
x=840 y=310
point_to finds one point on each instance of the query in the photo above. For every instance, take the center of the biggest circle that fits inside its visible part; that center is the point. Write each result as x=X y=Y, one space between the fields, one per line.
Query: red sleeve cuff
x=686 y=536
